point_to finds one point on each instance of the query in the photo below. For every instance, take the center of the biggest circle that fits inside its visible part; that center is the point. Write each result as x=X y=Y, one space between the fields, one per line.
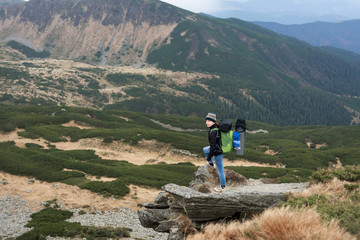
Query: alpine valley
x=102 y=105
x=149 y=56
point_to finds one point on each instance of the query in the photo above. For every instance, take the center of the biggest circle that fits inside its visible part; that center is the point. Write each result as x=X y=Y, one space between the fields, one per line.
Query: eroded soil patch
x=71 y=196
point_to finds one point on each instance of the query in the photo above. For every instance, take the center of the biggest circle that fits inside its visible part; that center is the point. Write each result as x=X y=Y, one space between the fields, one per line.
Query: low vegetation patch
x=278 y=175
x=348 y=173
x=29 y=52
x=48 y=165
x=289 y=143
x=51 y=222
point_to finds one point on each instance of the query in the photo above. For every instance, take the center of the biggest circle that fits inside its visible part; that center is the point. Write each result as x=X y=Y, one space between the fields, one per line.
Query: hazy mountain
x=241 y=68
x=279 y=17
x=344 y=35
x=9 y=2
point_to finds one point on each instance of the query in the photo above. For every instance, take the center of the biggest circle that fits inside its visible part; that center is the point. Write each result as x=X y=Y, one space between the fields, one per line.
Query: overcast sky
x=346 y=8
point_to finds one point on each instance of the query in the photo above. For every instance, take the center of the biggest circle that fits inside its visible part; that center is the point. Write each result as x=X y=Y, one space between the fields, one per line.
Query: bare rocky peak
x=109 y=32
x=109 y=12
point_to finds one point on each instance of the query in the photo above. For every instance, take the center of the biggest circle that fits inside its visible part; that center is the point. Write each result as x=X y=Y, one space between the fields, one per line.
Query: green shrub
x=348 y=173
x=51 y=215
x=13 y=74
x=116 y=188
x=51 y=222
x=108 y=140
x=29 y=52
x=121 y=79
x=82 y=212
x=280 y=175
x=351 y=187
x=33 y=145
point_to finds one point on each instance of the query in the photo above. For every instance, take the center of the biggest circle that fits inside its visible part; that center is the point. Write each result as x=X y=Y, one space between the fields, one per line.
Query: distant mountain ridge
x=280 y=17
x=250 y=70
x=343 y=35
x=9 y=2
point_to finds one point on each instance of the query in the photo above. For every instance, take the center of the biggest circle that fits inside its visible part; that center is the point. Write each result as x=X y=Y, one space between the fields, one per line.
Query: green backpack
x=226 y=135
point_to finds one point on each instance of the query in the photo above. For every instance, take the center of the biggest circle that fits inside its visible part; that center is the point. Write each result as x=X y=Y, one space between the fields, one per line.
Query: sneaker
x=210 y=165
x=219 y=189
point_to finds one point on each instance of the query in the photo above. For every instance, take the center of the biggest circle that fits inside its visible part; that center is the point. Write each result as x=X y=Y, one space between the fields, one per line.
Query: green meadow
x=294 y=147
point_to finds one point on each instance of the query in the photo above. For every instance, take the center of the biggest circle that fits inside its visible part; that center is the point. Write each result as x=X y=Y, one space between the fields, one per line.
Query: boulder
x=198 y=204
x=240 y=201
x=207 y=178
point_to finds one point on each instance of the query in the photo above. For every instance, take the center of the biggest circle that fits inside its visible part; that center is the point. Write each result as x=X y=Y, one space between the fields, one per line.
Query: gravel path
x=15 y=214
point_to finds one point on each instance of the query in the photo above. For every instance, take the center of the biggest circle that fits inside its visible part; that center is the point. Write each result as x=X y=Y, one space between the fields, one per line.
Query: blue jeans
x=219 y=165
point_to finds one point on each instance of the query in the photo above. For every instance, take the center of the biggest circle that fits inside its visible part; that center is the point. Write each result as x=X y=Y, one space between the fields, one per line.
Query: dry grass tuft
x=186 y=226
x=335 y=187
x=280 y=224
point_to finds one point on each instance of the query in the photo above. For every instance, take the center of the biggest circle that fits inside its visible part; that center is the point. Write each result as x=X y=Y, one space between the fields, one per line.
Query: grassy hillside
x=290 y=80
x=262 y=57
x=297 y=148
x=55 y=82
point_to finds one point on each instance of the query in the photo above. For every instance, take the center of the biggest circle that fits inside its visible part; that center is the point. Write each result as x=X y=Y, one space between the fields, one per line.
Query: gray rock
x=175 y=234
x=162 y=198
x=243 y=198
x=166 y=226
x=244 y=201
x=207 y=178
x=154 y=205
x=151 y=218
x=204 y=174
x=31 y=181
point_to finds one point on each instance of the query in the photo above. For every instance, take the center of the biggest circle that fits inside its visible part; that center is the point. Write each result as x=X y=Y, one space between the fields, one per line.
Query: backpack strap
x=218 y=136
x=217 y=132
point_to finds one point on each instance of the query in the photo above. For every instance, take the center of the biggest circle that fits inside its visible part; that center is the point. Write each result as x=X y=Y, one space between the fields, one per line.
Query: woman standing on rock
x=214 y=150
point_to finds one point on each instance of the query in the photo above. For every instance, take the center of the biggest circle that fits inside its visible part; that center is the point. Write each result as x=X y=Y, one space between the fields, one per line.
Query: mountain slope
x=111 y=31
x=344 y=35
x=245 y=50
x=250 y=71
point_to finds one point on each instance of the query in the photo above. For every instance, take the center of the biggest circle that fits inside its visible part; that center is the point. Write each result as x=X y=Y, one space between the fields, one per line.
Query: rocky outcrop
x=207 y=178
x=179 y=209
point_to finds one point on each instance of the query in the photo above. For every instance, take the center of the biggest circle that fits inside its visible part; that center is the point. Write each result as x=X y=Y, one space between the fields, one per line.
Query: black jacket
x=215 y=141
